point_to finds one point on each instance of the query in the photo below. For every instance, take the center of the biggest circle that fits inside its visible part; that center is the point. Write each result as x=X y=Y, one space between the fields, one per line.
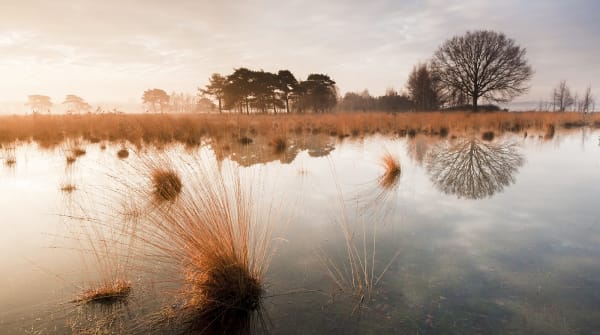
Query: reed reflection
x=472 y=169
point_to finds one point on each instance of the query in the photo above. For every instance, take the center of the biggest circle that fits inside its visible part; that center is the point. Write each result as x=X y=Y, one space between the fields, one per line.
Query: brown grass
x=68 y=188
x=222 y=244
x=279 y=144
x=50 y=130
x=123 y=153
x=106 y=293
x=392 y=171
x=166 y=183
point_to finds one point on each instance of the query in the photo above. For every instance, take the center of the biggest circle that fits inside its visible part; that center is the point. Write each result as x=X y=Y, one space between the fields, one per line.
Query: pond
x=473 y=236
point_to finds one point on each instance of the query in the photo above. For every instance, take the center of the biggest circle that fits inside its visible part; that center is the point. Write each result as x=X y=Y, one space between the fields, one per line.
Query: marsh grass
x=166 y=184
x=10 y=155
x=157 y=129
x=357 y=273
x=392 y=171
x=106 y=293
x=279 y=144
x=220 y=238
x=123 y=153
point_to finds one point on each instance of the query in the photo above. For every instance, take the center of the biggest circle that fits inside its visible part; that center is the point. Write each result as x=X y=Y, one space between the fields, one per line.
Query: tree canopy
x=248 y=91
x=482 y=64
x=155 y=96
x=76 y=104
x=39 y=103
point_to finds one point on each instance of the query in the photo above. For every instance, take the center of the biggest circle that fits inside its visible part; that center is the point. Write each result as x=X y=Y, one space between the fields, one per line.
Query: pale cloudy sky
x=113 y=50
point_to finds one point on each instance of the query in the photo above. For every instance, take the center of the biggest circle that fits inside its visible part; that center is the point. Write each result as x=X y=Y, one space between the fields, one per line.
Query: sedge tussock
x=356 y=272
x=166 y=184
x=392 y=171
x=219 y=238
x=123 y=153
x=106 y=293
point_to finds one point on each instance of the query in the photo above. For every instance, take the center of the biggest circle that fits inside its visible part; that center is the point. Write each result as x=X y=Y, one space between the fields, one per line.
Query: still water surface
x=475 y=237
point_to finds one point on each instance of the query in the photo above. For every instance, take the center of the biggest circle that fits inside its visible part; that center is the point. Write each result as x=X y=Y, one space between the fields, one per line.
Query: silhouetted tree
x=39 y=102
x=287 y=85
x=215 y=88
x=473 y=169
x=318 y=93
x=156 y=96
x=77 y=104
x=237 y=91
x=482 y=64
x=422 y=89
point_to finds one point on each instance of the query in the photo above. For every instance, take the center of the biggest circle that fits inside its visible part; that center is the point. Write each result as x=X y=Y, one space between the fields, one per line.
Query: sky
x=113 y=50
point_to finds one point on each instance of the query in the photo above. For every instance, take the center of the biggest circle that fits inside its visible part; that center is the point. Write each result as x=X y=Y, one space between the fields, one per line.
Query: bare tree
x=482 y=64
x=586 y=103
x=561 y=97
x=473 y=169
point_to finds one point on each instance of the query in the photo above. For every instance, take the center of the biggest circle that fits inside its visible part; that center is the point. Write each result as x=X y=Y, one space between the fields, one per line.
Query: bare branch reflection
x=472 y=169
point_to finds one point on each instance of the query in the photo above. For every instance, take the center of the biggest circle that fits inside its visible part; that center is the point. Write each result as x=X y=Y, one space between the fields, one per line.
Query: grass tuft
x=107 y=293
x=279 y=144
x=123 y=153
x=166 y=183
x=488 y=136
x=392 y=171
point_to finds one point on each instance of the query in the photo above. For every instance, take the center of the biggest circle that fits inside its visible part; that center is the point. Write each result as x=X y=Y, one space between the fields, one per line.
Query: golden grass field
x=51 y=130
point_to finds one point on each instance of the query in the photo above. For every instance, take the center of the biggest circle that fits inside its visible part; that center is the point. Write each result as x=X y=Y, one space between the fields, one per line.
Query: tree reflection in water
x=472 y=169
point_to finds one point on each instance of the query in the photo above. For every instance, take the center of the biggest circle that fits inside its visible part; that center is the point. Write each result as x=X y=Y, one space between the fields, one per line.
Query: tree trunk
x=475 y=97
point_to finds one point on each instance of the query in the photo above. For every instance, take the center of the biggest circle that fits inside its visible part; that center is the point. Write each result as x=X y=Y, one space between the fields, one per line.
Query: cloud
x=64 y=45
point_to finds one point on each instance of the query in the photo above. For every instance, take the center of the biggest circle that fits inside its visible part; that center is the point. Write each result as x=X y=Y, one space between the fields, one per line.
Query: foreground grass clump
x=216 y=235
x=392 y=171
x=166 y=183
x=107 y=293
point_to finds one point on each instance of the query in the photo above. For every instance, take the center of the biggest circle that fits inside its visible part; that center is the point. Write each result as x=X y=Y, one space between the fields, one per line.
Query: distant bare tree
x=586 y=103
x=156 y=96
x=77 y=104
x=562 y=98
x=422 y=89
x=473 y=169
x=482 y=64
x=39 y=103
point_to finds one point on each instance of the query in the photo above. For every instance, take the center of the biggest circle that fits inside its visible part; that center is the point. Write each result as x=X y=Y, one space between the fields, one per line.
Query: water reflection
x=472 y=169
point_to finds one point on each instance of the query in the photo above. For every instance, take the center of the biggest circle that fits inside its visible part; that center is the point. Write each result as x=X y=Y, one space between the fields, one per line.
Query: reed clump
x=107 y=293
x=392 y=171
x=123 y=153
x=166 y=183
x=215 y=234
x=488 y=135
x=68 y=187
x=279 y=144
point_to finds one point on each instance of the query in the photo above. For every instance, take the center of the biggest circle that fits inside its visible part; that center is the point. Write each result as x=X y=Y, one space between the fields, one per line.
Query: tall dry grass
x=358 y=272
x=218 y=235
x=193 y=129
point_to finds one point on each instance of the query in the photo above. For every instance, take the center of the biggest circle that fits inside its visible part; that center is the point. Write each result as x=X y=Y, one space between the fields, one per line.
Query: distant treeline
x=248 y=91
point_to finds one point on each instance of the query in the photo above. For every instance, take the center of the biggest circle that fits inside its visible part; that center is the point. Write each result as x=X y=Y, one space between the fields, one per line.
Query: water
x=475 y=237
